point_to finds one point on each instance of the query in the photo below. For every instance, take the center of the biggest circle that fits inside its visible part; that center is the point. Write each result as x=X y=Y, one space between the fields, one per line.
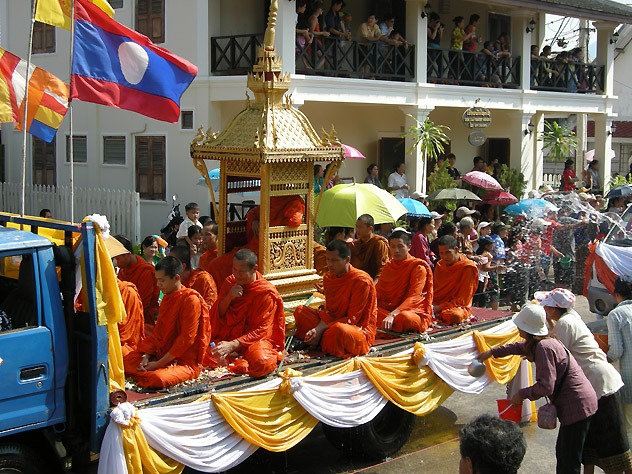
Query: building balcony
x=332 y=57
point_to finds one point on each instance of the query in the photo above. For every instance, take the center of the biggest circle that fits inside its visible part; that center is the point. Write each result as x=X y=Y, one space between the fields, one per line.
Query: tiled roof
x=623 y=129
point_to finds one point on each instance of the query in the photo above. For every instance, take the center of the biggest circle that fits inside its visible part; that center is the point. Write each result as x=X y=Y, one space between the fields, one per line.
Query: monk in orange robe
x=404 y=290
x=132 y=328
x=136 y=270
x=174 y=351
x=455 y=282
x=209 y=240
x=346 y=326
x=248 y=319
x=198 y=279
x=369 y=252
x=284 y=211
x=320 y=259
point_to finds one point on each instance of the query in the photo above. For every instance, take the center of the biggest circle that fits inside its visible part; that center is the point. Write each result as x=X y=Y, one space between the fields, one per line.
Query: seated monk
x=455 y=282
x=404 y=290
x=209 y=241
x=174 y=351
x=346 y=326
x=320 y=259
x=284 y=211
x=369 y=252
x=247 y=319
x=197 y=279
x=136 y=270
x=132 y=328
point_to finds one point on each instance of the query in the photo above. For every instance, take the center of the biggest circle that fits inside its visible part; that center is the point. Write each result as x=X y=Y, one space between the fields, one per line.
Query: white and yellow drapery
x=221 y=430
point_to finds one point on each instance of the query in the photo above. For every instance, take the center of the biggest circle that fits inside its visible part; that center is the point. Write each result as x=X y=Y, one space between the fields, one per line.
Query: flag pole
x=25 y=112
x=72 y=150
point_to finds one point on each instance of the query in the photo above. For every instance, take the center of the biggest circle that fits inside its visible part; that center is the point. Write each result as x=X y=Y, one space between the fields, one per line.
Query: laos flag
x=116 y=66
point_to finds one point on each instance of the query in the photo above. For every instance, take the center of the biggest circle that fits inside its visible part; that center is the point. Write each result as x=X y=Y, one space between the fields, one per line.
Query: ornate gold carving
x=287 y=255
x=290 y=173
x=199 y=136
x=243 y=167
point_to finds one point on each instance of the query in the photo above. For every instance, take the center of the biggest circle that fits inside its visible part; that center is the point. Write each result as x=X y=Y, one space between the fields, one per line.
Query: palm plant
x=430 y=138
x=560 y=142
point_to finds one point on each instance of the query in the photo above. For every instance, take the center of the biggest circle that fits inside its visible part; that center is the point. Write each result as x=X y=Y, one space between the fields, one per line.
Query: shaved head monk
x=404 y=290
x=346 y=327
x=369 y=252
x=197 y=279
x=248 y=319
x=455 y=282
x=136 y=270
x=174 y=351
x=210 y=231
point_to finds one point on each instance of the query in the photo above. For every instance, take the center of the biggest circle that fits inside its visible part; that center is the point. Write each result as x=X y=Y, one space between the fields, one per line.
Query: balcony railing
x=472 y=69
x=376 y=60
x=558 y=76
x=324 y=56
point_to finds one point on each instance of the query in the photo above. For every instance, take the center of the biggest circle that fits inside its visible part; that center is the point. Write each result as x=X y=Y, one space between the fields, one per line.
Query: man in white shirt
x=397 y=182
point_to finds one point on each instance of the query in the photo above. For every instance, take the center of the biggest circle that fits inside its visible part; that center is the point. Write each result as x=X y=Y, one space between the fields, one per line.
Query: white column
x=605 y=53
x=603 y=145
x=521 y=43
x=527 y=147
x=285 y=38
x=535 y=177
x=415 y=161
x=416 y=33
x=582 y=140
x=203 y=37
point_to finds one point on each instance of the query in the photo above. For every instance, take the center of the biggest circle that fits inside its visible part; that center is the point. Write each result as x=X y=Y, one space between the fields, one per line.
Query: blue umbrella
x=621 y=191
x=415 y=208
x=531 y=208
x=213 y=174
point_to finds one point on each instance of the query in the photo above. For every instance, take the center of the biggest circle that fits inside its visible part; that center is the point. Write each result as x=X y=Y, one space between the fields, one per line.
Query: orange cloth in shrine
x=405 y=285
x=350 y=312
x=320 y=259
x=371 y=255
x=143 y=275
x=454 y=287
x=206 y=259
x=203 y=283
x=132 y=328
x=257 y=320
x=182 y=330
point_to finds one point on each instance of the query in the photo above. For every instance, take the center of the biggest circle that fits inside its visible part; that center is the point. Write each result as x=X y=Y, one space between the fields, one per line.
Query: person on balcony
x=372 y=176
x=333 y=24
x=303 y=36
x=397 y=181
x=457 y=38
x=368 y=32
x=435 y=58
x=389 y=35
x=314 y=30
x=487 y=65
x=472 y=43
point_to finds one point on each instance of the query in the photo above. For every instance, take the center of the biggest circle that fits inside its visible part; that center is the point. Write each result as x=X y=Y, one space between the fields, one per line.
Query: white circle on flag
x=134 y=61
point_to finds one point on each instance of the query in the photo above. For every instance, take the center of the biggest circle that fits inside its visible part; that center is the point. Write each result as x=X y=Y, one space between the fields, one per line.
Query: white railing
x=121 y=207
x=552 y=180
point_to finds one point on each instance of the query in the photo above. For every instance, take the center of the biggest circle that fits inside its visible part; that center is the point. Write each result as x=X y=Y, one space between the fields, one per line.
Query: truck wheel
x=379 y=438
x=18 y=459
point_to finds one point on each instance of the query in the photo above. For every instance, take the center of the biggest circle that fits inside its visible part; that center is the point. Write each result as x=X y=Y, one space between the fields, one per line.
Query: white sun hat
x=532 y=319
x=557 y=298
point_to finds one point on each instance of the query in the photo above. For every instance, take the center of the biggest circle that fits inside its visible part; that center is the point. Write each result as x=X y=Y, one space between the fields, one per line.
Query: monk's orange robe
x=320 y=259
x=182 y=330
x=370 y=256
x=405 y=285
x=350 y=312
x=206 y=258
x=132 y=328
x=143 y=275
x=257 y=320
x=203 y=283
x=284 y=211
x=454 y=287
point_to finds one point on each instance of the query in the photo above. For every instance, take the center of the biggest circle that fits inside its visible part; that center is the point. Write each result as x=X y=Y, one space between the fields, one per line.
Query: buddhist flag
x=57 y=12
x=115 y=66
x=48 y=97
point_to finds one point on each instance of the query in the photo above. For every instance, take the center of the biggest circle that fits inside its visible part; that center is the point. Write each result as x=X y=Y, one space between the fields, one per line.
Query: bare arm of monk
x=225 y=348
x=313 y=336
x=235 y=292
x=145 y=365
x=387 y=323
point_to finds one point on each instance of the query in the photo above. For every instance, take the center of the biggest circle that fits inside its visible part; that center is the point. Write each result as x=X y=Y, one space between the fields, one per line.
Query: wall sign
x=477 y=117
x=476 y=138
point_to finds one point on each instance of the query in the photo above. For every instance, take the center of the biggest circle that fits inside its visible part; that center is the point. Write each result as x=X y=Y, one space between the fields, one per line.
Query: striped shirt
x=620 y=341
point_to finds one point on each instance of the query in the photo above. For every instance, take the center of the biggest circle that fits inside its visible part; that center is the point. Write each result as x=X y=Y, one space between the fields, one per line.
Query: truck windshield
x=620 y=229
x=18 y=299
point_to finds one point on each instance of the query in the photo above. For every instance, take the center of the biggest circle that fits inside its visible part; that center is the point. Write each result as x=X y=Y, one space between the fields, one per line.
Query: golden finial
x=199 y=136
x=268 y=40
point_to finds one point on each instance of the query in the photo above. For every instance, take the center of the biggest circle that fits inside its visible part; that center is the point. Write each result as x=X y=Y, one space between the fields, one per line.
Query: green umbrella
x=453 y=194
x=343 y=204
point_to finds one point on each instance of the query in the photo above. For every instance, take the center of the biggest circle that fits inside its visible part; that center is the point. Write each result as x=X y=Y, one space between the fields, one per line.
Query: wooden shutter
x=44 y=162
x=151 y=168
x=150 y=19
x=43 y=38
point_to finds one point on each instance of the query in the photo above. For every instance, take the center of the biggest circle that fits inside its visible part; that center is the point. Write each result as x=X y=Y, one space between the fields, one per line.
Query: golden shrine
x=270 y=147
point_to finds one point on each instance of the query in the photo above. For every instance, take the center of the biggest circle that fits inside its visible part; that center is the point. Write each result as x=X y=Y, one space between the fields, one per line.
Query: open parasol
x=481 y=180
x=453 y=194
x=415 y=208
x=531 y=208
x=499 y=198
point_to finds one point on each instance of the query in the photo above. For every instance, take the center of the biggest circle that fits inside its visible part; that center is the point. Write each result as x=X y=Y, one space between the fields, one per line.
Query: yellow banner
x=57 y=12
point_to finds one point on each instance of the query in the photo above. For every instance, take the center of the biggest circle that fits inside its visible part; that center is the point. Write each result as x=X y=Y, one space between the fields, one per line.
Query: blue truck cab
x=54 y=396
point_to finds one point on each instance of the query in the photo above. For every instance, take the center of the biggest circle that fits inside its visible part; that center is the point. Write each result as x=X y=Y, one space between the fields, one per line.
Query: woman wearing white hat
x=606 y=443
x=555 y=368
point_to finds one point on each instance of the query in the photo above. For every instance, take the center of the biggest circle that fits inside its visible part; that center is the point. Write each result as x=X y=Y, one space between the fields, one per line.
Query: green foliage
x=617 y=181
x=441 y=179
x=513 y=180
x=430 y=138
x=560 y=142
